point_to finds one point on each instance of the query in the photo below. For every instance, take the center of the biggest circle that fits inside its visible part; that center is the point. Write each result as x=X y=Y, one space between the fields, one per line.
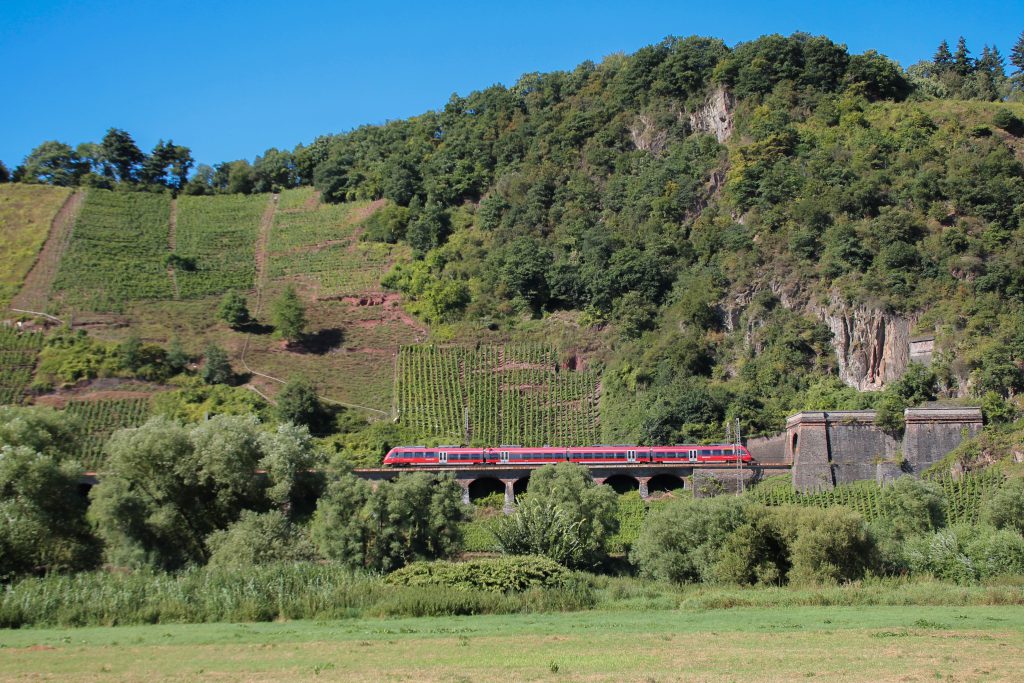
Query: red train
x=404 y=456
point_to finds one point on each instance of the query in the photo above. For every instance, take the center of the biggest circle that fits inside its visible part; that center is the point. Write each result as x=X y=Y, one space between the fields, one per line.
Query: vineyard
x=18 y=354
x=118 y=251
x=102 y=418
x=217 y=236
x=513 y=394
x=963 y=495
x=322 y=244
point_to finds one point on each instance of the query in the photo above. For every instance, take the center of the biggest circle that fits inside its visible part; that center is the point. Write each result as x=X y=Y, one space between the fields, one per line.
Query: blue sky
x=230 y=79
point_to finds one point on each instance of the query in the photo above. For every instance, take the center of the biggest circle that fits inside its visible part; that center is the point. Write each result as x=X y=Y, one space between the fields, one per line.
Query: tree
x=566 y=496
x=167 y=165
x=289 y=315
x=234 y=309
x=42 y=511
x=5 y=175
x=120 y=155
x=42 y=514
x=943 y=58
x=177 y=358
x=963 y=64
x=1005 y=508
x=166 y=488
x=259 y=538
x=299 y=404
x=53 y=163
x=1017 y=54
x=682 y=540
x=414 y=517
x=217 y=369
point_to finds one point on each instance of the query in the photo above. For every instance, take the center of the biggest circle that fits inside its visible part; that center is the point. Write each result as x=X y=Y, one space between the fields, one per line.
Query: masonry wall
x=829 y=448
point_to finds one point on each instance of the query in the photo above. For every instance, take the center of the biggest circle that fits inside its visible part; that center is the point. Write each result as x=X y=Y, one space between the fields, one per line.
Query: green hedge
x=495 y=574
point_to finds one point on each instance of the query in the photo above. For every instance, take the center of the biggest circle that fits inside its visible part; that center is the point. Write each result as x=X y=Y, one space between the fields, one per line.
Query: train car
x=411 y=456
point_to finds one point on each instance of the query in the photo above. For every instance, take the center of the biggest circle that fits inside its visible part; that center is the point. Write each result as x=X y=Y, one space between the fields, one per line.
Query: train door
x=693 y=455
x=504 y=457
x=630 y=456
x=442 y=458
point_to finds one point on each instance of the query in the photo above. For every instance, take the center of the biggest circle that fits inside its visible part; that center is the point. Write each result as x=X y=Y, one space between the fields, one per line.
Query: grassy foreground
x=824 y=643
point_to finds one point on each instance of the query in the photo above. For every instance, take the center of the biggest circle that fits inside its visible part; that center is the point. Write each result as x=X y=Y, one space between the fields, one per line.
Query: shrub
x=259 y=539
x=682 y=540
x=517 y=573
x=233 y=309
x=1005 y=508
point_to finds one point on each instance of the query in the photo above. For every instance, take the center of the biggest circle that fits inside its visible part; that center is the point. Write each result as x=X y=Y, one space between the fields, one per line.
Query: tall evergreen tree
x=943 y=58
x=962 y=62
x=1017 y=54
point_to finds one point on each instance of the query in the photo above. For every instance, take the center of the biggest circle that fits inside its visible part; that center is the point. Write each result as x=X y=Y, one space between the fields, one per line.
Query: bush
x=494 y=574
x=234 y=309
x=966 y=554
x=257 y=538
x=1005 y=508
x=682 y=540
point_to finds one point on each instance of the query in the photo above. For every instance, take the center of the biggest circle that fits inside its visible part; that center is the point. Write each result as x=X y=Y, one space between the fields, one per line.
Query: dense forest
x=697 y=205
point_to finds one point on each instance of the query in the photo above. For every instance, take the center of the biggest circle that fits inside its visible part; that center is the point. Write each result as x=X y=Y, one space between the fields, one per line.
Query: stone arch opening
x=622 y=483
x=664 y=483
x=486 y=486
x=520 y=485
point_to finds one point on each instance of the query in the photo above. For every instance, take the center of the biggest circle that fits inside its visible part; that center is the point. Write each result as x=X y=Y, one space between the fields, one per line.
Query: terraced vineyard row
x=102 y=418
x=219 y=235
x=18 y=354
x=963 y=495
x=118 y=251
x=514 y=394
x=321 y=244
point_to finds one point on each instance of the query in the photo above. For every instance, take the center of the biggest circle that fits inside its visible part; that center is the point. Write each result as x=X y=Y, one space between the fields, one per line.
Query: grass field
x=26 y=212
x=781 y=644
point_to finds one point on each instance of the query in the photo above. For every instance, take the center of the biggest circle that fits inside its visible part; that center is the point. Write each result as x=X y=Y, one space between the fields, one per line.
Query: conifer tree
x=289 y=315
x=943 y=58
x=962 y=62
x=1017 y=54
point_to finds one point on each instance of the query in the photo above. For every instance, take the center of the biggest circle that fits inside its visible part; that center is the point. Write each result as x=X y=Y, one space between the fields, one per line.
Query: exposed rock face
x=872 y=346
x=715 y=115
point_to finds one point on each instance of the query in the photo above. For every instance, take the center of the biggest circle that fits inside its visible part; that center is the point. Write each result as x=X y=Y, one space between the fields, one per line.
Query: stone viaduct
x=821 y=448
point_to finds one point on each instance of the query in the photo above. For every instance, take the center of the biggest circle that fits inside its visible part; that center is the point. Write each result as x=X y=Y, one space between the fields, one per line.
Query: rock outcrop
x=872 y=347
x=715 y=115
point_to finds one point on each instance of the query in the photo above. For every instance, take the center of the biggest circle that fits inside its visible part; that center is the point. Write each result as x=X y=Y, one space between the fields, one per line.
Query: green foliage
x=233 y=309
x=298 y=403
x=682 y=540
x=413 y=517
x=966 y=554
x=258 y=539
x=195 y=401
x=564 y=516
x=502 y=574
x=42 y=512
x=166 y=487
x=289 y=315
x=216 y=368
x=1004 y=509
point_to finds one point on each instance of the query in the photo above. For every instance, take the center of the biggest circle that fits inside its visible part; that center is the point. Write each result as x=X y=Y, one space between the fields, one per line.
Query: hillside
x=26 y=213
x=674 y=238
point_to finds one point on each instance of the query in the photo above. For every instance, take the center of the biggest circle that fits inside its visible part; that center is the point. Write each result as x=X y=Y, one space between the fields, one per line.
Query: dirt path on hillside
x=172 y=243
x=35 y=292
x=266 y=224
